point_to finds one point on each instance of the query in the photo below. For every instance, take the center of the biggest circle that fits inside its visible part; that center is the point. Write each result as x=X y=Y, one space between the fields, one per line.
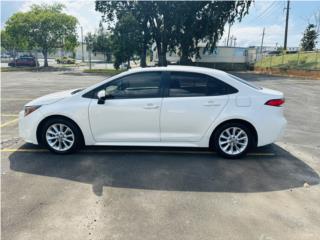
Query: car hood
x=51 y=98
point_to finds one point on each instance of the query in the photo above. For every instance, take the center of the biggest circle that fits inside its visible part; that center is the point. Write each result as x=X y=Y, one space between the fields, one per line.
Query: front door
x=133 y=111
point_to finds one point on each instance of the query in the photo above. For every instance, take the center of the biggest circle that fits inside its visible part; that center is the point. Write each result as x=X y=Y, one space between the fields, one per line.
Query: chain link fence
x=302 y=60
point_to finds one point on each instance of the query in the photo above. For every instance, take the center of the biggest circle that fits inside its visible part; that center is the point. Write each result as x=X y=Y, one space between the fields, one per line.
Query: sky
x=262 y=14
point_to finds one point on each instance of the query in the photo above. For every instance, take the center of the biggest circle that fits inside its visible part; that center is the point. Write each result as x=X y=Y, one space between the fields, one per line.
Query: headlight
x=30 y=109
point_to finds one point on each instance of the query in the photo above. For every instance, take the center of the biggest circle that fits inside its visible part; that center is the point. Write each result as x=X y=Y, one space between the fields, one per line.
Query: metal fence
x=302 y=60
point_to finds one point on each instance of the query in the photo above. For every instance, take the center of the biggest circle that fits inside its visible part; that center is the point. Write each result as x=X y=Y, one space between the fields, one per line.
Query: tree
x=309 y=39
x=114 y=10
x=179 y=25
x=89 y=39
x=102 y=42
x=12 y=41
x=45 y=27
x=125 y=40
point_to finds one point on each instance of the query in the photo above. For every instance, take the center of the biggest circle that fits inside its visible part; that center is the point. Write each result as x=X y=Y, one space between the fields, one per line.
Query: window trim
x=168 y=80
x=93 y=93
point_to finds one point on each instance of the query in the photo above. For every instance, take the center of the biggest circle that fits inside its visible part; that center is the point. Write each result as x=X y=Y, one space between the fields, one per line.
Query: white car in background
x=174 y=106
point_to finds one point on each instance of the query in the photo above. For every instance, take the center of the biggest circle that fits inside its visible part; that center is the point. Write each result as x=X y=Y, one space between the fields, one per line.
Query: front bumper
x=28 y=126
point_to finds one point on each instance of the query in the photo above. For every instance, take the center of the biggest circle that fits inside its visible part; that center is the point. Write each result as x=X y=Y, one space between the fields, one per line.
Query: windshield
x=245 y=82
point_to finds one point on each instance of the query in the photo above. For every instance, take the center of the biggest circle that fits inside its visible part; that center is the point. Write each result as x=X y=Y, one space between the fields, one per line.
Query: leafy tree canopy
x=178 y=25
x=126 y=40
x=45 y=27
x=309 y=39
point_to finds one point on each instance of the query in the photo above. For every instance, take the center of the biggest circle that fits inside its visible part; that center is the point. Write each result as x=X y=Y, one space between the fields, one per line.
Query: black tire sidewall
x=74 y=128
x=228 y=125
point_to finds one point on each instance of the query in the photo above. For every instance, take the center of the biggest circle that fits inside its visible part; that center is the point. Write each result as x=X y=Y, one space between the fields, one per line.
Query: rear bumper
x=271 y=131
x=28 y=126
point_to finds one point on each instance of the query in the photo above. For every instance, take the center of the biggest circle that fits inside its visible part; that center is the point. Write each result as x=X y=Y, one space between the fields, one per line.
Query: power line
x=265 y=12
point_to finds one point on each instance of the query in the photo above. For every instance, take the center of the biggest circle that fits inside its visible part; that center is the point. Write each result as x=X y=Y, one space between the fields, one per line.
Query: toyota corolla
x=172 y=106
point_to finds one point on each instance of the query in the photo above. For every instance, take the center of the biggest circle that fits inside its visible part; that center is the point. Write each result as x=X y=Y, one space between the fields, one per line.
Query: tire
x=61 y=136
x=233 y=145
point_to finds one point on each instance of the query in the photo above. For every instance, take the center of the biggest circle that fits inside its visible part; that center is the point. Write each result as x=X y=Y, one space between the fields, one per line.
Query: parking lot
x=160 y=193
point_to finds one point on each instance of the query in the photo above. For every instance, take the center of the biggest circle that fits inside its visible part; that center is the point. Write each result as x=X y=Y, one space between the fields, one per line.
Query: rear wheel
x=233 y=140
x=61 y=136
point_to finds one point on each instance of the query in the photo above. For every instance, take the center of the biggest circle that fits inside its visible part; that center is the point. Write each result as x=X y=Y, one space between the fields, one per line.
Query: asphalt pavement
x=160 y=193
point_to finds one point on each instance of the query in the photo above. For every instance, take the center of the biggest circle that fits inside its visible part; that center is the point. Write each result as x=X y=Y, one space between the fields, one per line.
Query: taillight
x=275 y=102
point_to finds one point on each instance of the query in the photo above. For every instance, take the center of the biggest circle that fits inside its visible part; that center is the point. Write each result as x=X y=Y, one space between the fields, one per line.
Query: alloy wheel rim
x=60 y=137
x=233 y=140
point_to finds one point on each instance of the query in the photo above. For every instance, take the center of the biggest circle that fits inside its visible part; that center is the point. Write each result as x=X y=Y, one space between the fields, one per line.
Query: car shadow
x=170 y=169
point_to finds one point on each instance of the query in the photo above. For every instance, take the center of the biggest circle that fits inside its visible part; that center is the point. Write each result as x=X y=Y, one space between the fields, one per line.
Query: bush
x=65 y=60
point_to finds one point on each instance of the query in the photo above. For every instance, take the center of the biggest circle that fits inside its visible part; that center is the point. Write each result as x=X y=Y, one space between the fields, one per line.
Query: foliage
x=89 y=39
x=177 y=25
x=45 y=27
x=115 y=10
x=102 y=42
x=309 y=39
x=108 y=72
x=125 y=40
x=65 y=60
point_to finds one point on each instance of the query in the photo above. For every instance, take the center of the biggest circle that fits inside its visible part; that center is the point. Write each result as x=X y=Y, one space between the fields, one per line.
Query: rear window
x=245 y=82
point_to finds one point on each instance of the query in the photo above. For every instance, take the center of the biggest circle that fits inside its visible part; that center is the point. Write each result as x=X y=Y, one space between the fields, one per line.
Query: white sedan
x=174 y=106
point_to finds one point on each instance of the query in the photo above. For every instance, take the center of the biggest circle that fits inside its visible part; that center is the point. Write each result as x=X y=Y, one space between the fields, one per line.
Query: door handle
x=211 y=104
x=151 y=106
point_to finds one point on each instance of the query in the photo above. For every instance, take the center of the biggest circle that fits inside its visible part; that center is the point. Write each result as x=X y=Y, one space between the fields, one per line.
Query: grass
x=109 y=72
x=17 y=69
x=34 y=69
x=303 y=60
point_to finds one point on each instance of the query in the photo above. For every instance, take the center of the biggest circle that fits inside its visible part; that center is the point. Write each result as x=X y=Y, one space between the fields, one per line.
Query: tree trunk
x=184 y=59
x=163 y=58
x=185 y=55
x=162 y=51
x=128 y=67
x=45 y=56
x=143 y=57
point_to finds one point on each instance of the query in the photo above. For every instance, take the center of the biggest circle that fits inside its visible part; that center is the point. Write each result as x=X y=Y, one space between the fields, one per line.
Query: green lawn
x=109 y=72
x=17 y=69
x=305 y=60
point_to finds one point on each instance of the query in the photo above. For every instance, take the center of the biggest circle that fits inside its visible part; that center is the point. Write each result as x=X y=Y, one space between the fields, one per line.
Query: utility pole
x=286 y=29
x=231 y=39
x=228 y=35
x=263 y=33
x=82 y=44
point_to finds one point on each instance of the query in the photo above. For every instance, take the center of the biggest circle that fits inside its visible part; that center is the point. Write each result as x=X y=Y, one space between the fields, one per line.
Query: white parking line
x=9 y=122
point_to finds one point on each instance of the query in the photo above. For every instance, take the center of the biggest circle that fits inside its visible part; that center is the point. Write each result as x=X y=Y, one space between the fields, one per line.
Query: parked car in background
x=5 y=55
x=65 y=60
x=25 y=61
x=172 y=106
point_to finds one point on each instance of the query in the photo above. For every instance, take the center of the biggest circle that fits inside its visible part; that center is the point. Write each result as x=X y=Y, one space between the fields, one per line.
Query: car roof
x=180 y=68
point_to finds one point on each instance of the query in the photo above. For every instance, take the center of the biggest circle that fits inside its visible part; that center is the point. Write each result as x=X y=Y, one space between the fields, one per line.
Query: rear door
x=193 y=101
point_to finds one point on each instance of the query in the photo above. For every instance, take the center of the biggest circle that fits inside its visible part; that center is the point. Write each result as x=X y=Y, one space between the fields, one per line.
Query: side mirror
x=101 y=96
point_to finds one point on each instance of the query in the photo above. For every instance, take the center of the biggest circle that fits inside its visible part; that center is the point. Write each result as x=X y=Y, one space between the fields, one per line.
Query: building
x=222 y=57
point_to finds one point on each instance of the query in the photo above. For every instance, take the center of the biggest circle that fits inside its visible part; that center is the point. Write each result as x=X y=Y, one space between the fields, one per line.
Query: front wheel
x=233 y=140
x=61 y=136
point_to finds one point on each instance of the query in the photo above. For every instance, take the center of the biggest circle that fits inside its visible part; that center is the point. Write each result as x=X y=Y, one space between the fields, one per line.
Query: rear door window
x=183 y=84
